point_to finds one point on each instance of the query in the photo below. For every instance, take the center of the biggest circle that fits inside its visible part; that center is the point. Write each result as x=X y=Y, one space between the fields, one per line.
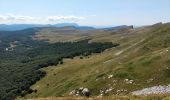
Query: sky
x=85 y=12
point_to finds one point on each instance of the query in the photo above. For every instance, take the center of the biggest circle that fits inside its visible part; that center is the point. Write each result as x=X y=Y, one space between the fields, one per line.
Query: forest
x=22 y=57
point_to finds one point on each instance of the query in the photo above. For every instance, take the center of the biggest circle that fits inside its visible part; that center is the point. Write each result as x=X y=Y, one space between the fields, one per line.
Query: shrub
x=122 y=74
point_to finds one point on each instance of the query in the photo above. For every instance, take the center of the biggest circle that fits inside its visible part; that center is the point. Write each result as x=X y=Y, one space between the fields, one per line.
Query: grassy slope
x=64 y=35
x=142 y=55
x=112 y=97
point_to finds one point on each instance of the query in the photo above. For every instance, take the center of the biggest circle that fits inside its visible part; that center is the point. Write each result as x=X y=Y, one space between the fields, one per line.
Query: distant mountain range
x=119 y=27
x=14 y=27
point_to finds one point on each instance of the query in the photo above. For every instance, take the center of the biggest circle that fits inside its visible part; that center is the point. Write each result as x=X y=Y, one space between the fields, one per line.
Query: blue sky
x=85 y=12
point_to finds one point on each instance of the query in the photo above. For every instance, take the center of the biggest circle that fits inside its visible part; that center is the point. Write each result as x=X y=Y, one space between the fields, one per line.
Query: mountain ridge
x=15 y=27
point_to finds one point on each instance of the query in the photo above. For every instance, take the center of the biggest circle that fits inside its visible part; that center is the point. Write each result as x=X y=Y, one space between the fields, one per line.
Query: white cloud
x=65 y=18
x=10 y=19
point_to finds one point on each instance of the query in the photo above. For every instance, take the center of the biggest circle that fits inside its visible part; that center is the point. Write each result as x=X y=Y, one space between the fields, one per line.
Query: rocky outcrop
x=153 y=90
x=86 y=92
x=81 y=91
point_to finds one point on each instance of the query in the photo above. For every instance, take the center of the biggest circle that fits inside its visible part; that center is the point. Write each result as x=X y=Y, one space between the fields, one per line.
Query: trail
x=120 y=52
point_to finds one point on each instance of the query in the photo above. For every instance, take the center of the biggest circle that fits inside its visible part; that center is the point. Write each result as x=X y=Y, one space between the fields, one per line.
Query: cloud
x=66 y=18
x=11 y=18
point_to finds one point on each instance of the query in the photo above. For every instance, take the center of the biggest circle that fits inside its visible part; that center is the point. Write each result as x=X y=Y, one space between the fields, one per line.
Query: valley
x=22 y=57
x=58 y=62
x=84 y=50
x=141 y=61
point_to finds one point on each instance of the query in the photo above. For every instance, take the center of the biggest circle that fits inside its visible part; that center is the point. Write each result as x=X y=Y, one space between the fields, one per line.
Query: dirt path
x=120 y=52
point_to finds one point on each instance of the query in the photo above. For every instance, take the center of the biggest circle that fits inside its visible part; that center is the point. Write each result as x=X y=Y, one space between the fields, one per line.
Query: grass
x=61 y=35
x=144 y=55
x=111 y=97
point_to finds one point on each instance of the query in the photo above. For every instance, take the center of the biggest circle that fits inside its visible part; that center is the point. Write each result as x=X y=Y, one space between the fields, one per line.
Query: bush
x=122 y=74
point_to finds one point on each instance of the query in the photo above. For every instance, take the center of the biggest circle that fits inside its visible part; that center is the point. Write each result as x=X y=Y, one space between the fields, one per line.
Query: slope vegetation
x=22 y=58
x=142 y=60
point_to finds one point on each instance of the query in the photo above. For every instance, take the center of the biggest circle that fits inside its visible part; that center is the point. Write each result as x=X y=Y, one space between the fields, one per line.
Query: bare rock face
x=157 y=24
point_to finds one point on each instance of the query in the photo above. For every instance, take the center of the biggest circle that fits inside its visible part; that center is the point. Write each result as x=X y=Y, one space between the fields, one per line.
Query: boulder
x=86 y=92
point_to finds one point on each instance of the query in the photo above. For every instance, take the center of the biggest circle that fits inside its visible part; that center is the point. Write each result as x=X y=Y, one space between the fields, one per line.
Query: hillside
x=22 y=57
x=141 y=61
x=15 y=27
